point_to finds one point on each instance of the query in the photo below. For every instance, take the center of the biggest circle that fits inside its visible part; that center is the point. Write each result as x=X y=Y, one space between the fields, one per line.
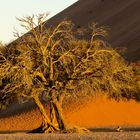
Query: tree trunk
x=59 y=115
x=47 y=125
x=52 y=113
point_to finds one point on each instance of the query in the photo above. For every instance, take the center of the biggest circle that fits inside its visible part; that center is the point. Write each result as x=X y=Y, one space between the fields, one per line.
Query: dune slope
x=120 y=16
x=98 y=112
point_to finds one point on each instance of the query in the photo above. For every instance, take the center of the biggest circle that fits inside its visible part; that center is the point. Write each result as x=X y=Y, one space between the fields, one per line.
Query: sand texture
x=92 y=136
x=97 y=112
x=122 y=17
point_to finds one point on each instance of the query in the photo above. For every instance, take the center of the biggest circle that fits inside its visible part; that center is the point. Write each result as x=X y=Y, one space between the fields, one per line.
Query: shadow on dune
x=120 y=16
x=99 y=129
x=17 y=109
x=113 y=129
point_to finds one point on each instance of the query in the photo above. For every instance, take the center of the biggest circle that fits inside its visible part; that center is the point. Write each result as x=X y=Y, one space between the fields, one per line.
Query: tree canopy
x=57 y=62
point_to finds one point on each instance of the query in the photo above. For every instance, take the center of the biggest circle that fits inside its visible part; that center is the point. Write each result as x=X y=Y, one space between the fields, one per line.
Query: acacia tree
x=56 y=62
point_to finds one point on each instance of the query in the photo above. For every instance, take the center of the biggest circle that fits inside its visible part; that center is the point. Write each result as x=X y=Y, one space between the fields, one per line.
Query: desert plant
x=136 y=70
x=57 y=62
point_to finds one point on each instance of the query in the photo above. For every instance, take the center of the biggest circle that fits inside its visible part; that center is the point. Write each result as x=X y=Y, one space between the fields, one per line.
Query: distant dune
x=121 y=16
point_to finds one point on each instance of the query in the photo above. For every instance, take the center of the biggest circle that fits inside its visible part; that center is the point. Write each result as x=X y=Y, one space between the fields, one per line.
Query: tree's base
x=76 y=130
x=37 y=130
x=43 y=129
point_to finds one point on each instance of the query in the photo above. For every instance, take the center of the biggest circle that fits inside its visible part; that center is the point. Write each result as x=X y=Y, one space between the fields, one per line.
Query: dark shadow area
x=14 y=131
x=100 y=129
x=113 y=129
x=17 y=108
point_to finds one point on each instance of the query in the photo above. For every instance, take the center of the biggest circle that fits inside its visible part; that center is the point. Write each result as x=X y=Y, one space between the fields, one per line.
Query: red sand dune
x=99 y=112
x=123 y=19
x=103 y=112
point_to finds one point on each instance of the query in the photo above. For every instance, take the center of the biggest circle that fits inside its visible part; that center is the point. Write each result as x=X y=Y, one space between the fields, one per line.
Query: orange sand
x=104 y=112
x=95 y=113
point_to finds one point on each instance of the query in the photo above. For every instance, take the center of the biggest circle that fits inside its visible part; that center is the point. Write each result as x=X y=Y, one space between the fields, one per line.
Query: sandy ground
x=91 y=136
x=97 y=112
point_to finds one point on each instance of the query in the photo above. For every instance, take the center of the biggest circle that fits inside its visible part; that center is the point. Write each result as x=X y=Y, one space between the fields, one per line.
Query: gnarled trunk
x=47 y=126
x=57 y=106
x=59 y=116
x=61 y=120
